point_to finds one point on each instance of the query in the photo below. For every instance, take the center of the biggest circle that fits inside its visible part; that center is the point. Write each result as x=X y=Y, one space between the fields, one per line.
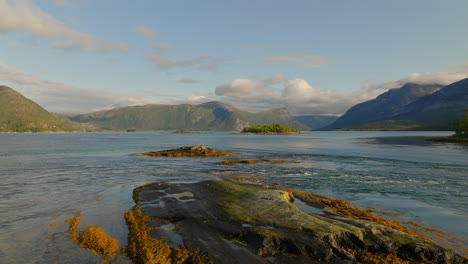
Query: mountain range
x=421 y=107
x=208 y=116
x=411 y=107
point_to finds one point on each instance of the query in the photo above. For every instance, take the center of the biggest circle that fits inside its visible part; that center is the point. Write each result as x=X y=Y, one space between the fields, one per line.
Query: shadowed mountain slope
x=385 y=106
x=214 y=116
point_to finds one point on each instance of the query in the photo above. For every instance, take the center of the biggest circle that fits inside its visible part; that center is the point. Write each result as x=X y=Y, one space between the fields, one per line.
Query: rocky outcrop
x=191 y=151
x=239 y=222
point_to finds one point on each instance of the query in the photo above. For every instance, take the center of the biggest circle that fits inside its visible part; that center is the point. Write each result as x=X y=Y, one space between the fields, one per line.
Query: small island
x=270 y=129
x=190 y=151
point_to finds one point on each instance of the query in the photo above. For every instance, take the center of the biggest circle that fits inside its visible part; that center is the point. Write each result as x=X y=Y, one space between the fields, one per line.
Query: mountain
x=440 y=109
x=389 y=125
x=385 y=106
x=316 y=121
x=19 y=114
x=207 y=116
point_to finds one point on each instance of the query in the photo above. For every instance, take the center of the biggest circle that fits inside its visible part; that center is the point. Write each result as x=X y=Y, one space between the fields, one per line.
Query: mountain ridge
x=216 y=116
x=437 y=110
x=384 y=106
x=20 y=114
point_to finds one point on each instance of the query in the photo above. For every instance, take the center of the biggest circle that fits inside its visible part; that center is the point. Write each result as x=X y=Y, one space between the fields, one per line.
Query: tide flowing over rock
x=239 y=222
x=190 y=151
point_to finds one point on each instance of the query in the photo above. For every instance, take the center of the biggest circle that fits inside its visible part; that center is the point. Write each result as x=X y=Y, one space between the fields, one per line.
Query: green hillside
x=208 y=116
x=19 y=114
x=388 y=125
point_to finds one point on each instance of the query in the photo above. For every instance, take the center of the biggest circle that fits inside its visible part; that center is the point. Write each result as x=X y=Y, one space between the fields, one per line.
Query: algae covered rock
x=240 y=222
x=190 y=151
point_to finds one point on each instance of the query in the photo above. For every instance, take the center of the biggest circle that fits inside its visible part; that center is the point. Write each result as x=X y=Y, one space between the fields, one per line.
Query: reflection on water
x=45 y=179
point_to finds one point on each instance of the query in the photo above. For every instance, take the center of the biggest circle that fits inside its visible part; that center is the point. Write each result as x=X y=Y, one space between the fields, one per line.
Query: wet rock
x=239 y=222
x=190 y=151
x=255 y=161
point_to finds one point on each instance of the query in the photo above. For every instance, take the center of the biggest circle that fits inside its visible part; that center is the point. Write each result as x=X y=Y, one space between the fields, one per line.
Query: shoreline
x=226 y=218
x=449 y=139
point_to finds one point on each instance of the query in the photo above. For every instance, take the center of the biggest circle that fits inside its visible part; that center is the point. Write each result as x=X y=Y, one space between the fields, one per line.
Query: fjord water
x=46 y=179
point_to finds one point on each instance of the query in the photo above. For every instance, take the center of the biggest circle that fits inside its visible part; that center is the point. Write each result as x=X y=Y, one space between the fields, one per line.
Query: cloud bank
x=297 y=95
x=62 y=98
x=24 y=16
x=445 y=77
x=300 y=97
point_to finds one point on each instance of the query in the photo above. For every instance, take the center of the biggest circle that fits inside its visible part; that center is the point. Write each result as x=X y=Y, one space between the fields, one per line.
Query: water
x=48 y=178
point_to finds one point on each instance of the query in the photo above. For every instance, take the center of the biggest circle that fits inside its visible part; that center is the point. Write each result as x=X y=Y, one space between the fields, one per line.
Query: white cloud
x=24 y=16
x=207 y=63
x=278 y=78
x=305 y=61
x=197 y=98
x=62 y=98
x=297 y=95
x=246 y=89
x=445 y=77
x=145 y=31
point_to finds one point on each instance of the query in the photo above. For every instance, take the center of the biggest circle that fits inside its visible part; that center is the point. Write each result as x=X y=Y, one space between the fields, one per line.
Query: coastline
x=449 y=139
x=234 y=221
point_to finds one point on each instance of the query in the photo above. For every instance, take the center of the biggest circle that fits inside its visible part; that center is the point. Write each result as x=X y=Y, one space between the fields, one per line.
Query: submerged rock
x=238 y=222
x=191 y=151
x=239 y=161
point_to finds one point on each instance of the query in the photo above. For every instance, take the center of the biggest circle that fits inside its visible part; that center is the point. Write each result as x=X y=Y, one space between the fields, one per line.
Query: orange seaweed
x=143 y=249
x=73 y=227
x=344 y=208
x=95 y=240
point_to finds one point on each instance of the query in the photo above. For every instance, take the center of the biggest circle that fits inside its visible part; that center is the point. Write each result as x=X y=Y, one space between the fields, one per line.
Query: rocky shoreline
x=240 y=222
x=240 y=219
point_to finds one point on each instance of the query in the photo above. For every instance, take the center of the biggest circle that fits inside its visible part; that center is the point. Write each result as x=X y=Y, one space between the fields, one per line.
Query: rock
x=238 y=161
x=239 y=222
x=191 y=151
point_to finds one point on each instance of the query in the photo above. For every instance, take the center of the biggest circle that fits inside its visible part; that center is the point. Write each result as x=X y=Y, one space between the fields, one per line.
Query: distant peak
x=217 y=104
x=414 y=84
x=214 y=103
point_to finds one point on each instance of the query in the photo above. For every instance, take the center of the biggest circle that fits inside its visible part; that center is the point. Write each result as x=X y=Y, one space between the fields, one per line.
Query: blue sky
x=312 y=57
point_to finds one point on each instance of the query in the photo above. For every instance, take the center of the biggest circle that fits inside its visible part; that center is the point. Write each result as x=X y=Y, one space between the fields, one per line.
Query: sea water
x=46 y=179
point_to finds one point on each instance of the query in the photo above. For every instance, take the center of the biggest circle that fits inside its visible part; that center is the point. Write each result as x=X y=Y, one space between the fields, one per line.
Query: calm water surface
x=47 y=178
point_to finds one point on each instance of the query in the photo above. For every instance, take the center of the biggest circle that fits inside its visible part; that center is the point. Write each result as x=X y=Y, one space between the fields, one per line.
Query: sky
x=309 y=56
